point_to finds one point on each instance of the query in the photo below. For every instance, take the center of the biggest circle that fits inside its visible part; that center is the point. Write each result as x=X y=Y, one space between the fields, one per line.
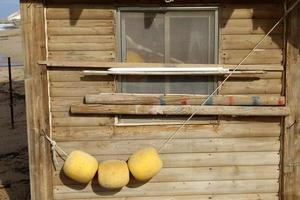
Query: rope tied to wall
x=55 y=150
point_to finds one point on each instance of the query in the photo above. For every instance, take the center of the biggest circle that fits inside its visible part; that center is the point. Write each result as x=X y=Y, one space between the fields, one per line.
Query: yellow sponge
x=134 y=57
x=80 y=166
x=145 y=163
x=113 y=174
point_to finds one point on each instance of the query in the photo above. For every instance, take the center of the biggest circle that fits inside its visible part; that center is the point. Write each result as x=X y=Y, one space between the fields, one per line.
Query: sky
x=7 y=7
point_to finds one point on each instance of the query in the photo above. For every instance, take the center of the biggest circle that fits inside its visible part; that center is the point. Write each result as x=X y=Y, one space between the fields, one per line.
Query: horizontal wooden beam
x=177 y=99
x=104 y=65
x=179 y=110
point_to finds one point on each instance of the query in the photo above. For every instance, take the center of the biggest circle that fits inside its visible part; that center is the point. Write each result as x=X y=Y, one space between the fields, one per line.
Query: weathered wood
x=249 y=26
x=201 y=174
x=80 y=23
x=81 y=46
x=82 y=55
x=179 y=110
x=74 y=75
x=252 y=11
x=81 y=39
x=127 y=132
x=260 y=56
x=174 y=188
x=87 y=64
x=81 y=121
x=257 y=196
x=78 y=12
x=208 y=159
x=81 y=31
x=268 y=86
x=291 y=146
x=242 y=42
x=40 y=166
x=173 y=99
x=175 y=146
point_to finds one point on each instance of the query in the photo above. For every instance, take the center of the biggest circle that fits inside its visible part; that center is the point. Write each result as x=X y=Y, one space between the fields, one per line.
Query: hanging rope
x=222 y=83
x=55 y=149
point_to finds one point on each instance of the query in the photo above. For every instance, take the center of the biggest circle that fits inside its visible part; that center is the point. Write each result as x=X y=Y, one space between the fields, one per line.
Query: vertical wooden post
x=292 y=126
x=33 y=26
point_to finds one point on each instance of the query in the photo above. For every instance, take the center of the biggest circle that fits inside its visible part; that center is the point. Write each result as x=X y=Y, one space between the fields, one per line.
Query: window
x=168 y=35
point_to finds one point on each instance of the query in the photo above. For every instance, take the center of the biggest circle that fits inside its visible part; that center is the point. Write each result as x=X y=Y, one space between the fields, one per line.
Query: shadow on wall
x=260 y=19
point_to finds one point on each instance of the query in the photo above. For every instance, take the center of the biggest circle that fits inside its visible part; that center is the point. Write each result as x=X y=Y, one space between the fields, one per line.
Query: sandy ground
x=14 y=177
x=11 y=45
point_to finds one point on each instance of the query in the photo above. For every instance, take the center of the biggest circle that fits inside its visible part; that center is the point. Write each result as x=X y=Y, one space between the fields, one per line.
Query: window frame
x=121 y=50
x=120 y=28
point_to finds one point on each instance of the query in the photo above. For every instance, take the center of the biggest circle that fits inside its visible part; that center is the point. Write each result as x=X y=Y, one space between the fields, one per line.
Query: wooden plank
x=37 y=108
x=179 y=110
x=74 y=121
x=200 y=174
x=257 y=196
x=83 y=84
x=222 y=130
x=260 y=56
x=268 y=86
x=173 y=188
x=81 y=46
x=291 y=146
x=249 y=26
x=177 y=99
x=78 y=12
x=252 y=11
x=81 y=39
x=244 y=42
x=80 y=23
x=265 y=75
x=74 y=75
x=64 y=92
x=207 y=159
x=82 y=55
x=118 y=147
x=88 y=64
x=80 y=31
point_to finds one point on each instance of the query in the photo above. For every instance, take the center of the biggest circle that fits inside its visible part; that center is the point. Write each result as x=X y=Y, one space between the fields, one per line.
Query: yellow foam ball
x=113 y=174
x=145 y=163
x=134 y=57
x=80 y=166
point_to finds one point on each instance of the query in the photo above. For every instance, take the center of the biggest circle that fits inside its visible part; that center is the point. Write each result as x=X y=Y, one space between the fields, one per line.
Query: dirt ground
x=14 y=175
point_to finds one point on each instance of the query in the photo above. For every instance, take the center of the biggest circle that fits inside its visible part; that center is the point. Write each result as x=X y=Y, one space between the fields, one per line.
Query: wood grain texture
x=37 y=108
x=291 y=156
x=131 y=132
x=95 y=64
x=175 y=188
x=178 y=110
x=257 y=196
x=242 y=42
x=173 y=99
x=199 y=174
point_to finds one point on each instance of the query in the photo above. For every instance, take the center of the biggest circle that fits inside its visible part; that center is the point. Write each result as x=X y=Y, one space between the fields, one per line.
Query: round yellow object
x=80 y=166
x=134 y=57
x=145 y=163
x=113 y=174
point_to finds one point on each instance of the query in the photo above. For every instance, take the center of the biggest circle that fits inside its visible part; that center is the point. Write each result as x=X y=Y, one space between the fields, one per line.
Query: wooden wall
x=233 y=158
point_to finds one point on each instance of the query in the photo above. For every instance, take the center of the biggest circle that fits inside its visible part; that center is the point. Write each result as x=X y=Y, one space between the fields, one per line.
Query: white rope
x=222 y=83
x=55 y=149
